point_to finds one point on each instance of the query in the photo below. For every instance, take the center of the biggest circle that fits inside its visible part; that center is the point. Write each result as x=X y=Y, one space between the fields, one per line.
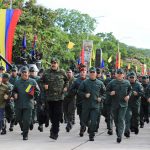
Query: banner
x=8 y=22
x=87 y=46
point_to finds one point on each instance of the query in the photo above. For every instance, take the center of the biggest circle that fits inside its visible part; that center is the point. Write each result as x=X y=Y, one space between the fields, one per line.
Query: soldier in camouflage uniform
x=69 y=102
x=55 y=83
x=9 y=107
x=14 y=75
x=3 y=97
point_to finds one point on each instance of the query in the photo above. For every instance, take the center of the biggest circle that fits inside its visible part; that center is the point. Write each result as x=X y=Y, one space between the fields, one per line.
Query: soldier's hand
x=148 y=100
x=87 y=95
x=16 y=96
x=46 y=87
x=99 y=99
x=135 y=93
x=6 y=96
x=112 y=93
x=126 y=98
x=65 y=89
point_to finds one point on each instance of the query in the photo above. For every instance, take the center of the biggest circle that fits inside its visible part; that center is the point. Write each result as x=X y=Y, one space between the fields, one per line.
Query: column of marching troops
x=53 y=96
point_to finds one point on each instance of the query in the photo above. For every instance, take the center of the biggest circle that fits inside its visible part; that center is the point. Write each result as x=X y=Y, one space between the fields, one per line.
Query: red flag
x=118 y=60
x=82 y=56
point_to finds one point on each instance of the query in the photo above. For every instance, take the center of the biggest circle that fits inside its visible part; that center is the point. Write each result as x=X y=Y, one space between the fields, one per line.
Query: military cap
x=2 y=68
x=54 y=59
x=92 y=69
x=120 y=71
x=14 y=68
x=132 y=74
x=144 y=77
x=98 y=70
x=24 y=69
x=5 y=75
x=32 y=69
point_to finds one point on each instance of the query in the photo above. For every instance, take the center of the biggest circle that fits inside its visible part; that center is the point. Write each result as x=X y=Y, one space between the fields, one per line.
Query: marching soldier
x=119 y=90
x=132 y=118
x=14 y=75
x=69 y=102
x=9 y=107
x=24 y=91
x=144 y=115
x=55 y=83
x=91 y=90
x=4 y=92
x=79 y=99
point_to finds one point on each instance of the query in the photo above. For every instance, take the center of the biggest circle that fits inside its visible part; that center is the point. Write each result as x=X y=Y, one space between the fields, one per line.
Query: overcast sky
x=129 y=20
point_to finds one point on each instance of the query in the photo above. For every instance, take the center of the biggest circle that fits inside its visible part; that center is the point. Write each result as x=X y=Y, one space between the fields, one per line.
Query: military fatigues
x=34 y=110
x=56 y=81
x=9 y=110
x=132 y=118
x=3 y=90
x=25 y=103
x=144 y=115
x=107 y=110
x=119 y=105
x=79 y=100
x=69 y=106
x=90 y=106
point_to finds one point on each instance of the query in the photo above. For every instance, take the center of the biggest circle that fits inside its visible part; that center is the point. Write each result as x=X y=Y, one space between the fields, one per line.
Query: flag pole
x=10 y=4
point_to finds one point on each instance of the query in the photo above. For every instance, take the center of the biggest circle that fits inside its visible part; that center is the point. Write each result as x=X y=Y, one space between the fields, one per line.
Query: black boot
x=3 y=132
x=25 y=136
x=127 y=134
x=136 y=130
x=91 y=138
x=54 y=135
x=82 y=130
x=118 y=139
x=110 y=132
x=40 y=128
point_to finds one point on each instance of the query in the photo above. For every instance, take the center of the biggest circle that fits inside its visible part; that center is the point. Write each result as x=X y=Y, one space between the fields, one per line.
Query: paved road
x=72 y=141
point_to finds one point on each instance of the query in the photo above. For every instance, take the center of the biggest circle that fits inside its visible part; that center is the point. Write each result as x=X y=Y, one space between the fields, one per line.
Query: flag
x=144 y=69
x=34 y=41
x=24 y=43
x=82 y=56
x=110 y=59
x=8 y=22
x=121 y=63
x=102 y=64
x=129 y=66
x=30 y=89
x=70 y=45
x=93 y=55
x=118 y=59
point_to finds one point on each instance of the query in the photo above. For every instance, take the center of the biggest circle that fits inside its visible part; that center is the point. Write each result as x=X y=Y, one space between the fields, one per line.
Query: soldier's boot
x=82 y=130
x=91 y=138
x=141 y=124
x=68 y=127
x=119 y=139
x=146 y=120
x=3 y=131
x=136 y=130
x=31 y=126
x=25 y=136
x=54 y=135
x=127 y=134
x=110 y=132
x=11 y=126
x=40 y=128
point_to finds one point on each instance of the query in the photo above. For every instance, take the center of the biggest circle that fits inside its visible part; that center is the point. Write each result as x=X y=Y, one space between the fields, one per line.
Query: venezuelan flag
x=8 y=22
